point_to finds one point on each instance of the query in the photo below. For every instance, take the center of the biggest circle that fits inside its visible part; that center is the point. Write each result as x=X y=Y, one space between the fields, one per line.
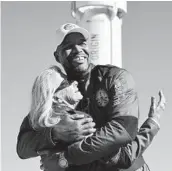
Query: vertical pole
x=103 y=20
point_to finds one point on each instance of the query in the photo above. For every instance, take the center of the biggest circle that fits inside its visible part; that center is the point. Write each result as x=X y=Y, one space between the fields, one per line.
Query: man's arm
x=68 y=130
x=121 y=128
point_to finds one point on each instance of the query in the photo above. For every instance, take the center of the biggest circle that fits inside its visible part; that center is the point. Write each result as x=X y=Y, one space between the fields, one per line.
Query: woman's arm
x=127 y=155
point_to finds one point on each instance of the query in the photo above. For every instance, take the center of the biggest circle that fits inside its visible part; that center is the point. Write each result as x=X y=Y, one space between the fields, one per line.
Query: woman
x=53 y=97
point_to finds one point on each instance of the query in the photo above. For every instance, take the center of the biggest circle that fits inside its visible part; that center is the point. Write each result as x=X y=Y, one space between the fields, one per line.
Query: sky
x=27 y=46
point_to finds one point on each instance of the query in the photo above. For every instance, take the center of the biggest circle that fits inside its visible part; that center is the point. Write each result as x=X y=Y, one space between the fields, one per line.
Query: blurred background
x=27 y=46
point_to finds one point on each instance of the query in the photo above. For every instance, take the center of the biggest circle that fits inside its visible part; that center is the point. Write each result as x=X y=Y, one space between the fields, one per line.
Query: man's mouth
x=79 y=59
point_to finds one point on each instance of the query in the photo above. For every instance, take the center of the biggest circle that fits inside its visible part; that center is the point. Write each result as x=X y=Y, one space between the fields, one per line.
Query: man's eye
x=83 y=44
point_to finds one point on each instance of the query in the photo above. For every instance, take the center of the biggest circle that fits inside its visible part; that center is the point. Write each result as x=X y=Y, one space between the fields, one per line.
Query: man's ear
x=56 y=56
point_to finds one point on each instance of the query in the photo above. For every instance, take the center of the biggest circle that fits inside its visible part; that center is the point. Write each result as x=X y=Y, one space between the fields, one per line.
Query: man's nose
x=77 y=49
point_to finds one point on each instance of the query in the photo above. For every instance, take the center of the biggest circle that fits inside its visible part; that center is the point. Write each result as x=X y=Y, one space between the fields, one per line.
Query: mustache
x=73 y=55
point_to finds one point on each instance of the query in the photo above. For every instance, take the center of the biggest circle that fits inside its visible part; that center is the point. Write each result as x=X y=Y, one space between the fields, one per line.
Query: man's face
x=73 y=53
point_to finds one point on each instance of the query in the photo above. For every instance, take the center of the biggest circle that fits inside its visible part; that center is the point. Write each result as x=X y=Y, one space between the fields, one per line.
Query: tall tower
x=103 y=20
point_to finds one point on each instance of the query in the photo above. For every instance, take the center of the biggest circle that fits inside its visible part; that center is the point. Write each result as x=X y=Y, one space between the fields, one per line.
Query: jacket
x=113 y=104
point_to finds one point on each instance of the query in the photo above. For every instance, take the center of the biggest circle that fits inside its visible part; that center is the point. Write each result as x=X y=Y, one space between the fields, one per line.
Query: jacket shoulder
x=107 y=70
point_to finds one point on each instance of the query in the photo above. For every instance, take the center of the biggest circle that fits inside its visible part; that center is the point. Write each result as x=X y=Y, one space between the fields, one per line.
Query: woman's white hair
x=42 y=113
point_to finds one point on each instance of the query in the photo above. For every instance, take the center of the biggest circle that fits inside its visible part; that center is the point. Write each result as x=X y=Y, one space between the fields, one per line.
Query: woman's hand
x=157 y=109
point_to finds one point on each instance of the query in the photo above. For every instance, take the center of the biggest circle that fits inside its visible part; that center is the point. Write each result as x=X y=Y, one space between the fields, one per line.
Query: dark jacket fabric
x=128 y=158
x=113 y=104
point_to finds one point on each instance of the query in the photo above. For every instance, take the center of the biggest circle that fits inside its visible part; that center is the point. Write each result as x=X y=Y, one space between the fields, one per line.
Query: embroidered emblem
x=102 y=98
x=69 y=26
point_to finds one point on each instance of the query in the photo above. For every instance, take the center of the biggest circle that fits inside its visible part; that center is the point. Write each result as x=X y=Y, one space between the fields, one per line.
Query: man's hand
x=157 y=109
x=73 y=128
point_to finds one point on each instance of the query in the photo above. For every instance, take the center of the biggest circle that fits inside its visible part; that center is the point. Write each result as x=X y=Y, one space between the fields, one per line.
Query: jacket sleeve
x=144 y=138
x=127 y=155
x=120 y=129
x=30 y=141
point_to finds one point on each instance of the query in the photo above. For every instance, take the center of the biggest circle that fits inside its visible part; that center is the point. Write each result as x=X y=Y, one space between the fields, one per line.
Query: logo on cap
x=69 y=26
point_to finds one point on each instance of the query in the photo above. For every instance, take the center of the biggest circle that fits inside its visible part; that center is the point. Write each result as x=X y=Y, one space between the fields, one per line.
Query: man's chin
x=81 y=68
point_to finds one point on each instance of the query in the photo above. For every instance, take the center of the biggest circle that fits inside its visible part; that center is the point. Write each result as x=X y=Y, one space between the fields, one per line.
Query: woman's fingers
x=152 y=107
x=153 y=103
x=157 y=108
x=162 y=101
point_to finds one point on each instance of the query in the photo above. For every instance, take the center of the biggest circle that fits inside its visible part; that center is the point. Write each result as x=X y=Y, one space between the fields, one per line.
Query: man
x=110 y=98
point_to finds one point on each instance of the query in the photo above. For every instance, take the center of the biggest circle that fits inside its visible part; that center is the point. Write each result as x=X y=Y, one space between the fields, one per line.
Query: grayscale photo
x=86 y=85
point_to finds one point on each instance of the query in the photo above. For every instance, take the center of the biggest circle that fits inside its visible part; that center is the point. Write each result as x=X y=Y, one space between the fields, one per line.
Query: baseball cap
x=67 y=28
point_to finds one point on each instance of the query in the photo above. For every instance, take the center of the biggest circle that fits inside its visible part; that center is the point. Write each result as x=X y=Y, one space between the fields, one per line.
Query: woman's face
x=69 y=92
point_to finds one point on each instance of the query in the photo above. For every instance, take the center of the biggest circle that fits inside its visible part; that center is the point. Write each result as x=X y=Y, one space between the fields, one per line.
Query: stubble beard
x=81 y=68
x=76 y=73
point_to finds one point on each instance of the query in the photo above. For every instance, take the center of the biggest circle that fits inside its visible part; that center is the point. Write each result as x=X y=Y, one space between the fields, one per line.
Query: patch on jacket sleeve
x=122 y=88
